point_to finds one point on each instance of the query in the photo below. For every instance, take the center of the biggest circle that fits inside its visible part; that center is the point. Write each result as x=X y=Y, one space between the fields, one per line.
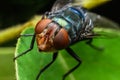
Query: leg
x=72 y=53
x=25 y=35
x=93 y=46
x=44 y=68
x=25 y=52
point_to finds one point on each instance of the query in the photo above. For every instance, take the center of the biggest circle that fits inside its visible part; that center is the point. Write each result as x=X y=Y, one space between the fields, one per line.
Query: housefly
x=64 y=26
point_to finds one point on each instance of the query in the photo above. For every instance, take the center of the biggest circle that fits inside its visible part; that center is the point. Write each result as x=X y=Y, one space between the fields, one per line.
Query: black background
x=111 y=10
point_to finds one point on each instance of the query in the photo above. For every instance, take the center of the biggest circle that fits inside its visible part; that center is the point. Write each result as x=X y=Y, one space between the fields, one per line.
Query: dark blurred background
x=109 y=10
x=18 y=11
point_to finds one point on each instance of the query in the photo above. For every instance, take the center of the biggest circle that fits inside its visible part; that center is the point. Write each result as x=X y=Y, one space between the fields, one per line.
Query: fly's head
x=50 y=37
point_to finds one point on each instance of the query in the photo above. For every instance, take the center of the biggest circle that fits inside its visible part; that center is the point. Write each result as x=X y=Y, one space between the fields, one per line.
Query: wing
x=106 y=28
x=101 y=21
x=84 y=3
x=60 y=3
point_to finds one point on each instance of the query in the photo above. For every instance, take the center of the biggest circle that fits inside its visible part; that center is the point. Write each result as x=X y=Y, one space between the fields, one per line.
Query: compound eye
x=61 y=40
x=41 y=25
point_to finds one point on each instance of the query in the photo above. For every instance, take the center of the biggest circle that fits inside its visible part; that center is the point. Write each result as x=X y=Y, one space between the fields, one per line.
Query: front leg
x=30 y=48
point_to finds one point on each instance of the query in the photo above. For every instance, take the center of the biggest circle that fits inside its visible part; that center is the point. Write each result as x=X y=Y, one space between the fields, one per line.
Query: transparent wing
x=60 y=3
x=101 y=21
x=105 y=27
x=84 y=3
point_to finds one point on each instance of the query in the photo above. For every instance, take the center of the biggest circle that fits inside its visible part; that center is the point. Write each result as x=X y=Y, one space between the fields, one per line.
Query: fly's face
x=50 y=37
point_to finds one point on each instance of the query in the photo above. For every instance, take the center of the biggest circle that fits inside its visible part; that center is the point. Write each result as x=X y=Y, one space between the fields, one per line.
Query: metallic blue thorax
x=71 y=19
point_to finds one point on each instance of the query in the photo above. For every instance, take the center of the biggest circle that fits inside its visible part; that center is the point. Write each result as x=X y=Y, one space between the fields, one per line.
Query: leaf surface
x=96 y=65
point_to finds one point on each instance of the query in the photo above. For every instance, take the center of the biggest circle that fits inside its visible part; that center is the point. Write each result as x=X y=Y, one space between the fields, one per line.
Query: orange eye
x=41 y=25
x=61 y=40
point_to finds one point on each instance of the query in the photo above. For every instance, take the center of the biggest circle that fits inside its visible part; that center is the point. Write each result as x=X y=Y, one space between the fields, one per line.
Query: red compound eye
x=61 y=40
x=41 y=25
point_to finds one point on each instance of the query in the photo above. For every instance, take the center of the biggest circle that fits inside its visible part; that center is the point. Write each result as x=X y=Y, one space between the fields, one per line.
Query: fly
x=64 y=26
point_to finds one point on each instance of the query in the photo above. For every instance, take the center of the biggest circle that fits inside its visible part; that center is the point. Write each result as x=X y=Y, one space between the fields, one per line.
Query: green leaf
x=96 y=65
